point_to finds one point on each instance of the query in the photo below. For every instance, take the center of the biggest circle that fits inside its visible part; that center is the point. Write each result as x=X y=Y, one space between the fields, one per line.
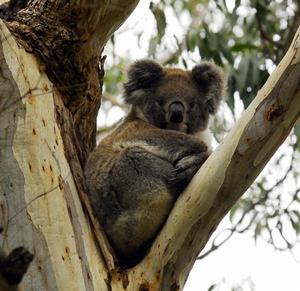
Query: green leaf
x=222 y=6
x=233 y=211
x=237 y=4
x=160 y=18
x=297 y=133
x=257 y=231
x=241 y=47
x=192 y=40
x=231 y=90
x=212 y=287
x=184 y=63
x=255 y=72
x=242 y=73
x=294 y=217
x=152 y=46
x=227 y=53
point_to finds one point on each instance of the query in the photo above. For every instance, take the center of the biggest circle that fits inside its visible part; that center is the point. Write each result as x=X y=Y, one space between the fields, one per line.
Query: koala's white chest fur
x=206 y=137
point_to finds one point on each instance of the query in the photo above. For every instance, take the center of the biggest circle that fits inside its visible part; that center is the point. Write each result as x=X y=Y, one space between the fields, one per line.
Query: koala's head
x=173 y=98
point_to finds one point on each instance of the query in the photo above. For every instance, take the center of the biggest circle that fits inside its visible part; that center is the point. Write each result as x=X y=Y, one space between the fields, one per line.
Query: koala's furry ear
x=141 y=75
x=210 y=79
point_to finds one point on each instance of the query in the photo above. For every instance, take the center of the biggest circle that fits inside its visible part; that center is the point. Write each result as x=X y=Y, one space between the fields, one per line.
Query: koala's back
x=126 y=184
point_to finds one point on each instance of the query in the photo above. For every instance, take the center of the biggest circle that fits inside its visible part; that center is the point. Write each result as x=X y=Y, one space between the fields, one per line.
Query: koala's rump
x=144 y=199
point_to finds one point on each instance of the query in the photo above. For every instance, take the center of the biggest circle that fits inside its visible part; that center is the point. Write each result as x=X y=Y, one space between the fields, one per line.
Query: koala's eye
x=159 y=103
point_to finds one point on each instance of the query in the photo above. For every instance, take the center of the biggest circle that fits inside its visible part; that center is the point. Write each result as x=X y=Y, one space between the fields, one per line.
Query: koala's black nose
x=176 y=112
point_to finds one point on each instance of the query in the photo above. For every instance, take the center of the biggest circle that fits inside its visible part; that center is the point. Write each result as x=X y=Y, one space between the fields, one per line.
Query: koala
x=137 y=172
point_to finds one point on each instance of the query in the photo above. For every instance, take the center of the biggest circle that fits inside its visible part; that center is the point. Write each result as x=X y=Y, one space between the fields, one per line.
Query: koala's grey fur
x=136 y=173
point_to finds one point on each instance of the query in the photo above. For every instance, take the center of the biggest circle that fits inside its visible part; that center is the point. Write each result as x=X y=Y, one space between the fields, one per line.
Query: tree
x=51 y=68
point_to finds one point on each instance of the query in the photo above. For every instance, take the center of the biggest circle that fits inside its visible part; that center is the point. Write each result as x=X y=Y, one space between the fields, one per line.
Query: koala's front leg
x=186 y=153
x=170 y=145
x=186 y=168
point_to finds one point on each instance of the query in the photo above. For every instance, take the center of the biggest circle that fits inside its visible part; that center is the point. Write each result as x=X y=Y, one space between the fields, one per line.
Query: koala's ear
x=211 y=81
x=141 y=75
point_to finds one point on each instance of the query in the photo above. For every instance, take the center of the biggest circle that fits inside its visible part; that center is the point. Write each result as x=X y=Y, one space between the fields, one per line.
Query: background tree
x=48 y=128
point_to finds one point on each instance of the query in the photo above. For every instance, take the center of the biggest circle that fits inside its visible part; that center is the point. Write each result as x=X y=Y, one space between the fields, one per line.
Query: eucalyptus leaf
x=242 y=47
x=297 y=133
x=160 y=18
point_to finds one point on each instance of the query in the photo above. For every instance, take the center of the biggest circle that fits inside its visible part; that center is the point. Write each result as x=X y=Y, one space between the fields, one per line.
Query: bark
x=47 y=129
x=48 y=126
x=40 y=208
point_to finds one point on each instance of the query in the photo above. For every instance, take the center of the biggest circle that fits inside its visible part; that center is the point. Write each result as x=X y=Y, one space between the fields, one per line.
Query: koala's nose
x=176 y=112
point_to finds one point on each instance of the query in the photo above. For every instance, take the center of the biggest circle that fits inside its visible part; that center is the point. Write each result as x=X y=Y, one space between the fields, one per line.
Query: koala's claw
x=172 y=179
x=186 y=168
x=176 y=170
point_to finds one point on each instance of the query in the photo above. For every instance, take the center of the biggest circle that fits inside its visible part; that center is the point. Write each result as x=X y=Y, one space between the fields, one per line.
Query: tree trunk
x=47 y=128
x=51 y=77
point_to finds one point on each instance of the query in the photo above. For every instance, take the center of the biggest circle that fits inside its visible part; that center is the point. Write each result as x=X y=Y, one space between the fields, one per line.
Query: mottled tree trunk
x=50 y=92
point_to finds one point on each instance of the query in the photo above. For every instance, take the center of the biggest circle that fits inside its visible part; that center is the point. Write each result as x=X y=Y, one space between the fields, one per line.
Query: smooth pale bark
x=42 y=177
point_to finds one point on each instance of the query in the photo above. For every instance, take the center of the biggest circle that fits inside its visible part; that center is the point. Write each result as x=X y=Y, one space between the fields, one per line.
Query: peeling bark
x=68 y=37
x=47 y=128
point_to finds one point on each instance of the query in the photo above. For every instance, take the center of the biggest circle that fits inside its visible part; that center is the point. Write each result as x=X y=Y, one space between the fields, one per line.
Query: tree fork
x=46 y=134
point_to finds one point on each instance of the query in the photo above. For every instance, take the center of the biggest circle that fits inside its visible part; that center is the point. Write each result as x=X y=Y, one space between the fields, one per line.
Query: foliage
x=245 y=37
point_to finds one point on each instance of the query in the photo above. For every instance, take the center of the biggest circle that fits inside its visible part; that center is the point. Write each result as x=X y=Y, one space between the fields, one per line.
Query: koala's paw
x=187 y=167
x=16 y=265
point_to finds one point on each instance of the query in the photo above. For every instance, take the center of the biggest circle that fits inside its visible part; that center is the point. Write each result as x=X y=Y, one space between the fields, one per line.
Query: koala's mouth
x=177 y=126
